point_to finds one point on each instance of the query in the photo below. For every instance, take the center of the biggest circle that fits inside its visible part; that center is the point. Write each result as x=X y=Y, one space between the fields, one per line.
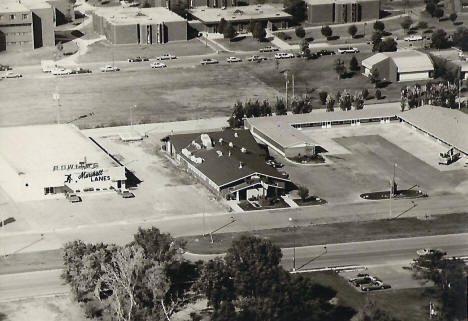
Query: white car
x=256 y=58
x=208 y=61
x=422 y=252
x=233 y=59
x=347 y=50
x=413 y=38
x=166 y=57
x=268 y=49
x=109 y=68
x=11 y=74
x=158 y=65
x=61 y=71
x=283 y=55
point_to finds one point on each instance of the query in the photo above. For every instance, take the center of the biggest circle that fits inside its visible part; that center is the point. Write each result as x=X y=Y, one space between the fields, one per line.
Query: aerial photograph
x=233 y=160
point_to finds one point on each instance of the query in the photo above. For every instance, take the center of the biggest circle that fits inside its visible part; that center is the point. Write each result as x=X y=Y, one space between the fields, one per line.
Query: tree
x=326 y=31
x=358 y=101
x=354 y=64
x=438 y=12
x=453 y=16
x=365 y=93
x=296 y=8
x=300 y=32
x=374 y=76
x=229 y=32
x=121 y=278
x=422 y=25
x=389 y=44
x=431 y=7
x=258 y=31
x=379 y=26
x=460 y=38
x=439 y=39
x=305 y=48
x=345 y=101
x=157 y=246
x=340 y=68
x=280 y=107
x=216 y=283
x=371 y=312
x=265 y=108
x=323 y=97
x=222 y=25
x=406 y=23
x=303 y=192
x=352 y=30
x=330 y=103
x=376 y=39
x=156 y=280
x=237 y=118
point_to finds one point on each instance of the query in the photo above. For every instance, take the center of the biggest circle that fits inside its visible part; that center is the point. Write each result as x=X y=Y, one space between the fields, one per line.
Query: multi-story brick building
x=31 y=23
x=342 y=11
x=139 y=25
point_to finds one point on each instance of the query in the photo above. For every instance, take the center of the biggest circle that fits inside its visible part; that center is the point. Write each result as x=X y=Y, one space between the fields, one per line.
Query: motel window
x=12 y=17
x=49 y=190
x=25 y=16
x=1 y=17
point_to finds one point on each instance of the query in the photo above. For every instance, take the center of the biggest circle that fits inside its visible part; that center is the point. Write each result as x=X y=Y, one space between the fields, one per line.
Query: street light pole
x=294 y=244
x=216 y=230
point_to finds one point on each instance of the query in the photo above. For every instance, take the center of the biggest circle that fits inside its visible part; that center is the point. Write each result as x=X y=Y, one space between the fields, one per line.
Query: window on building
x=1 y=17
x=12 y=17
x=25 y=16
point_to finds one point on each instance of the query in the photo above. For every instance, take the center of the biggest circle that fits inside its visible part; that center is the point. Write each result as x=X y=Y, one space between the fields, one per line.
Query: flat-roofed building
x=283 y=133
x=139 y=25
x=342 y=11
x=45 y=161
x=405 y=65
x=31 y=23
x=241 y=17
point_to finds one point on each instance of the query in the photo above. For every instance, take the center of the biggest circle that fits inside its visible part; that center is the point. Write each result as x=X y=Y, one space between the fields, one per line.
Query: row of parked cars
x=367 y=282
x=74 y=198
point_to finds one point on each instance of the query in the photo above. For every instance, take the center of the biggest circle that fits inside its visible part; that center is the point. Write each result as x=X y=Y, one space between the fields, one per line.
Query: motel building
x=229 y=162
x=47 y=161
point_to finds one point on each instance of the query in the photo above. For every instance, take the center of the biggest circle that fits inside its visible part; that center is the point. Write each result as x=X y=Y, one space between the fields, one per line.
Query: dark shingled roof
x=225 y=169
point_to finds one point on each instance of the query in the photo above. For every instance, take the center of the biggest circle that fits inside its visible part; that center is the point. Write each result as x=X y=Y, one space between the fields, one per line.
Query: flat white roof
x=317 y=2
x=133 y=15
x=242 y=13
x=11 y=6
x=39 y=148
x=405 y=60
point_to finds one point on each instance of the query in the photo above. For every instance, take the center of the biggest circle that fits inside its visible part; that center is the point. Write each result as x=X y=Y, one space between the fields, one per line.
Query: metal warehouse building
x=342 y=11
x=406 y=65
x=283 y=133
x=139 y=25
x=45 y=161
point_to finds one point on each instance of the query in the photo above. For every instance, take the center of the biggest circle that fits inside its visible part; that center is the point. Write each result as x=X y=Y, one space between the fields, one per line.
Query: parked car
x=357 y=282
x=377 y=285
x=79 y=70
x=73 y=198
x=413 y=38
x=127 y=194
x=166 y=57
x=422 y=252
x=5 y=67
x=269 y=49
x=109 y=68
x=233 y=59
x=61 y=71
x=158 y=65
x=347 y=50
x=283 y=55
x=11 y=74
x=138 y=59
x=256 y=58
x=325 y=52
x=209 y=61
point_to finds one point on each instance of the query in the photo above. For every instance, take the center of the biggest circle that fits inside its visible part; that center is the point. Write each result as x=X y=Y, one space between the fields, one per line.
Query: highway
x=370 y=253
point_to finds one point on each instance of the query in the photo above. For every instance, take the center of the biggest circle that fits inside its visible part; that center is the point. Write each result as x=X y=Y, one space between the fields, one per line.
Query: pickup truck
x=347 y=50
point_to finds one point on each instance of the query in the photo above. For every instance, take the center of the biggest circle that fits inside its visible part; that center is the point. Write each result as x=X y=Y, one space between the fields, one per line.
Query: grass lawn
x=246 y=206
x=407 y=304
x=339 y=232
x=103 y=50
x=34 y=261
x=243 y=44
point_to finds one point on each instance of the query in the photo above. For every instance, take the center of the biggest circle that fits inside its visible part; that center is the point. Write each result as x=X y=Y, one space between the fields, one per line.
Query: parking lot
x=361 y=159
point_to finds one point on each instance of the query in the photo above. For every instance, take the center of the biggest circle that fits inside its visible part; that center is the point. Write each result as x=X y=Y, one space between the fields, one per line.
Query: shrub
x=378 y=94
x=283 y=36
x=300 y=32
x=323 y=97
x=365 y=93
x=326 y=31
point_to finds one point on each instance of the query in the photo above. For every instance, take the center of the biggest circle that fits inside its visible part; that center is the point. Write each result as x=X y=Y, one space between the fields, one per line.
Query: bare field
x=163 y=95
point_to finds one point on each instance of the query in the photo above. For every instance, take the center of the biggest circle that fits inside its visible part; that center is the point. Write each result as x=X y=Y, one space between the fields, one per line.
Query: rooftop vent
x=236 y=135
x=231 y=144
x=243 y=150
x=229 y=153
x=220 y=140
x=241 y=164
x=220 y=153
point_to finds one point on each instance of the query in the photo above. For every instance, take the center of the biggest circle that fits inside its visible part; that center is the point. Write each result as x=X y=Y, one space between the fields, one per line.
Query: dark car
x=362 y=280
x=5 y=67
x=138 y=59
x=378 y=285
x=209 y=61
x=73 y=198
x=127 y=194
x=325 y=52
x=80 y=70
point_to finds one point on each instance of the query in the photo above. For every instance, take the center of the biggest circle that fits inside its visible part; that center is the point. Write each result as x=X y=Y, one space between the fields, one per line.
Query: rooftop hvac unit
x=243 y=150
x=186 y=152
x=220 y=153
x=206 y=141
x=197 y=145
x=236 y=135
x=241 y=164
x=231 y=144
x=220 y=140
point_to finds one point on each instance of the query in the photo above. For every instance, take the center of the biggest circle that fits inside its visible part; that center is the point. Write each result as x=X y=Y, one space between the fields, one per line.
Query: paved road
x=31 y=284
x=371 y=253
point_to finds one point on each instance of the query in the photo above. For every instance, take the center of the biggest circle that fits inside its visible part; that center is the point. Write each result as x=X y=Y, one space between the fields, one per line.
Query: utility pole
x=286 y=73
x=131 y=116
x=293 y=86
x=56 y=97
x=459 y=91
x=392 y=186
x=294 y=244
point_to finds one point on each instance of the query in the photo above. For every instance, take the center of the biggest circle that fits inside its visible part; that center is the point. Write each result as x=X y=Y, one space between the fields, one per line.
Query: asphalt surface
x=370 y=254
